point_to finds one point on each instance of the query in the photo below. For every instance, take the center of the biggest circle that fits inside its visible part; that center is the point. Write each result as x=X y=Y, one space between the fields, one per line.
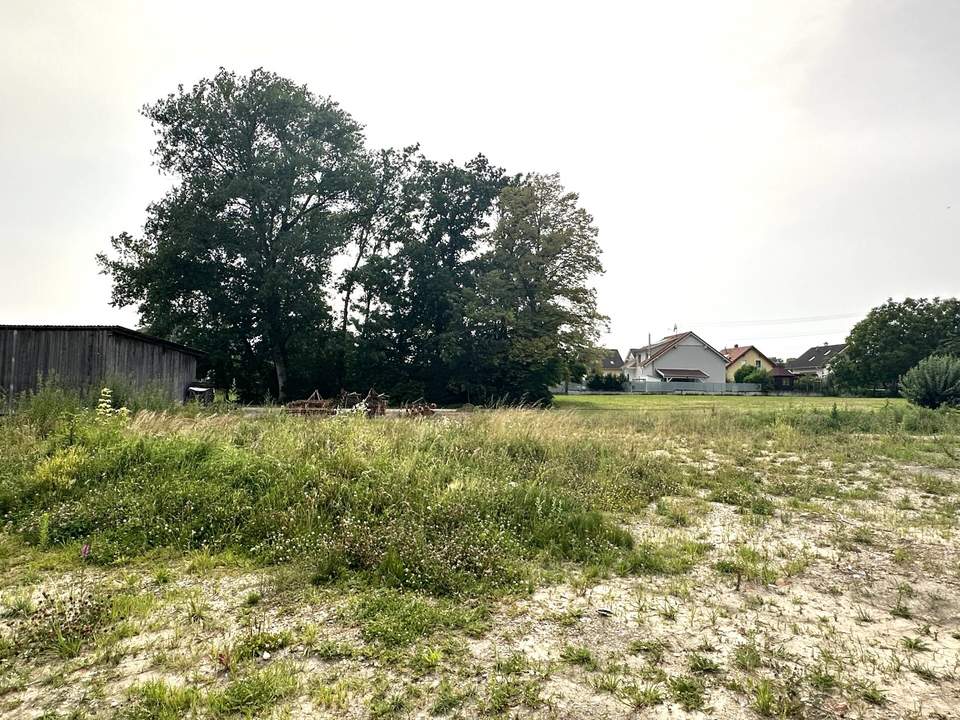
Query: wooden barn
x=89 y=357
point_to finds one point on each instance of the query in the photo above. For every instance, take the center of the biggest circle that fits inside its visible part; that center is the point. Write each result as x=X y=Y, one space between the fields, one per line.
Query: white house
x=684 y=357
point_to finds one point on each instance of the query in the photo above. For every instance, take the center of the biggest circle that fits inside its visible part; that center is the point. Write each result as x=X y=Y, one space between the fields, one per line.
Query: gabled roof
x=658 y=349
x=670 y=374
x=817 y=357
x=735 y=353
x=115 y=329
x=611 y=359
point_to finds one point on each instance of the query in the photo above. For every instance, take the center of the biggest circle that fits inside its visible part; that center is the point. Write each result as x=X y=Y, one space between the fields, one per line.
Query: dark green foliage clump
x=609 y=383
x=933 y=382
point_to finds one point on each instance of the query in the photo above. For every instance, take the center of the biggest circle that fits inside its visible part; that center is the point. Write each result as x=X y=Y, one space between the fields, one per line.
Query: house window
x=757 y=363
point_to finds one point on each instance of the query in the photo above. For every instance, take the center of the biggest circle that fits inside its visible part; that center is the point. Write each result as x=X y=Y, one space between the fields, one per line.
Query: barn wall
x=149 y=366
x=85 y=359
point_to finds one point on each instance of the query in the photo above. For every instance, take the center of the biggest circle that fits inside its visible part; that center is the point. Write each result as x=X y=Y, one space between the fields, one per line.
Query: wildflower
x=85 y=551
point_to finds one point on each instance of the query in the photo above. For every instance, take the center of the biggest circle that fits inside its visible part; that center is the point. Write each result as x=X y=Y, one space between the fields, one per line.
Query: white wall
x=690 y=354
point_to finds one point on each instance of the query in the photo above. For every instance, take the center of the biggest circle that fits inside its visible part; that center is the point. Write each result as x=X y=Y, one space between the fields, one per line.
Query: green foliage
x=395 y=619
x=751 y=374
x=535 y=310
x=935 y=381
x=274 y=186
x=610 y=383
x=236 y=256
x=893 y=338
x=467 y=508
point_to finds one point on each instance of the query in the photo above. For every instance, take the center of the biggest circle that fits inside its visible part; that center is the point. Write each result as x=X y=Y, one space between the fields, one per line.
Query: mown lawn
x=719 y=557
x=746 y=403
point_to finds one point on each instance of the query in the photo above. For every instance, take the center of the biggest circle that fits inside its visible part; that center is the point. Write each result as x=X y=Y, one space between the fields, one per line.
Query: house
x=816 y=361
x=85 y=358
x=783 y=379
x=740 y=355
x=611 y=363
x=684 y=357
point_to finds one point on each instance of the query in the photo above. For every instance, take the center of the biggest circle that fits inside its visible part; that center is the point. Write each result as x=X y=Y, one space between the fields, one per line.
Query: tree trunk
x=280 y=364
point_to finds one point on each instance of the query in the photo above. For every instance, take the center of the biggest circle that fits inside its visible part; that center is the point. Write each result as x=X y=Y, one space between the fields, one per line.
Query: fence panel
x=665 y=388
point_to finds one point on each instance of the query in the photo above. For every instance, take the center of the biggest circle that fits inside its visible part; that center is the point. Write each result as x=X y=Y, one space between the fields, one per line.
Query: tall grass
x=439 y=507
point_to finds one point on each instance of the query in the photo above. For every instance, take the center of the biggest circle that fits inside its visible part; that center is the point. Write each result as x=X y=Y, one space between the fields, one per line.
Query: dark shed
x=88 y=357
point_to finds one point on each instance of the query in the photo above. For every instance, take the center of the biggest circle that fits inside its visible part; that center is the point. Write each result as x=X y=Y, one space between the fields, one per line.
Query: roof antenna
x=674 y=328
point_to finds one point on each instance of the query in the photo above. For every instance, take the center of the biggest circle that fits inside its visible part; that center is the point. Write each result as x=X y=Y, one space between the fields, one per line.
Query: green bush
x=609 y=383
x=933 y=382
x=751 y=374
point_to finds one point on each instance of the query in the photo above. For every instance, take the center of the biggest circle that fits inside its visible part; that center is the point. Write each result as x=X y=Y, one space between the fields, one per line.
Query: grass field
x=685 y=403
x=666 y=557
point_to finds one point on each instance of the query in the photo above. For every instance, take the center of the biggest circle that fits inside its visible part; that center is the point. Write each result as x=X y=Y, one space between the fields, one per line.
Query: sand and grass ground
x=666 y=557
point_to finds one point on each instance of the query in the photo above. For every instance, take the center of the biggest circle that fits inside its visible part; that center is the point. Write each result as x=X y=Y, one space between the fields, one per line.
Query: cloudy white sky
x=761 y=172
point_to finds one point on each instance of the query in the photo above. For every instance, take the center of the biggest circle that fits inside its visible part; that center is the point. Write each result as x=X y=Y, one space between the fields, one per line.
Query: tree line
x=893 y=338
x=299 y=258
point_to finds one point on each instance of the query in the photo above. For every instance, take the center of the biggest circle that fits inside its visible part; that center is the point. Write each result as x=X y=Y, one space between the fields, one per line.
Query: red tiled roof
x=735 y=353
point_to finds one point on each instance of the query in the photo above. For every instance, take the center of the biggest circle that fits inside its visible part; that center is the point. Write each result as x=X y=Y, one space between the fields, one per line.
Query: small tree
x=761 y=377
x=742 y=373
x=933 y=382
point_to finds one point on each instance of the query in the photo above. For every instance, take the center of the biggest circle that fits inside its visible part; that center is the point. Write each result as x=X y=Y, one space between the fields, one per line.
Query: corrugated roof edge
x=120 y=330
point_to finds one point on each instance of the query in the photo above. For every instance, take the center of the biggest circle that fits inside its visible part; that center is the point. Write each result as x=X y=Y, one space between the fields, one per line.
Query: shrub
x=609 y=383
x=933 y=382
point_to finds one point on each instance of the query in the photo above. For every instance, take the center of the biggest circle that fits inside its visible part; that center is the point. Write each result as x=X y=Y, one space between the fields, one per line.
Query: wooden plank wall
x=86 y=359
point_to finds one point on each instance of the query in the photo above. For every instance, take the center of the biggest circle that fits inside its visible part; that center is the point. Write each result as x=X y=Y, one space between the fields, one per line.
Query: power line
x=778 y=321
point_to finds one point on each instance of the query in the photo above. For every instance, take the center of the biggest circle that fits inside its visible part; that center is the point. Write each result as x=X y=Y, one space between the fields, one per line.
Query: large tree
x=236 y=257
x=534 y=312
x=410 y=312
x=893 y=338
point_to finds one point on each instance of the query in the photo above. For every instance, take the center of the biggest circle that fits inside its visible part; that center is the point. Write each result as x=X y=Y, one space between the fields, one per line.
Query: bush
x=610 y=383
x=755 y=375
x=933 y=382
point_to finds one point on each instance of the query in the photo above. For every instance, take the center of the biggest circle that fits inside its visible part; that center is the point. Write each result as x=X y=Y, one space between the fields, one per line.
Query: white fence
x=665 y=388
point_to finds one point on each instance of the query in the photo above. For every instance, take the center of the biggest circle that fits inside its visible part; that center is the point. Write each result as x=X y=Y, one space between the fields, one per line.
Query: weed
x=747 y=657
x=702 y=664
x=688 y=692
x=394 y=618
x=641 y=697
x=873 y=695
x=578 y=655
x=255 y=693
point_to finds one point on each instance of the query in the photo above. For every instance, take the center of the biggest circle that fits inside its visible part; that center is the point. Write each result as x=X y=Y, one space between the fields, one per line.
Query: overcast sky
x=761 y=172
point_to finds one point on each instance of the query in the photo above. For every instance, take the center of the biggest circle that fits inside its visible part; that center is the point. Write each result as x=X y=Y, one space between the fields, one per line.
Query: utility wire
x=779 y=321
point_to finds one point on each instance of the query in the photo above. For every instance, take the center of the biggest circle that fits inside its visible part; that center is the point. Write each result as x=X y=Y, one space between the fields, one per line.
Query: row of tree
x=299 y=258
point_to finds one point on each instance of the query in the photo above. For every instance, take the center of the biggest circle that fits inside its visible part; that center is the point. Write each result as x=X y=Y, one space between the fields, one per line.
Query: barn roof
x=116 y=329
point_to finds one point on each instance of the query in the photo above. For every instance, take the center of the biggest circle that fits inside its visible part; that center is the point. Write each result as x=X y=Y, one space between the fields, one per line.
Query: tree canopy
x=893 y=338
x=301 y=259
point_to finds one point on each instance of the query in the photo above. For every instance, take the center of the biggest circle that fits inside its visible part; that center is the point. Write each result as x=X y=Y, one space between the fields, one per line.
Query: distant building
x=816 y=361
x=611 y=363
x=740 y=355
x=684 y=357
x=88 y=357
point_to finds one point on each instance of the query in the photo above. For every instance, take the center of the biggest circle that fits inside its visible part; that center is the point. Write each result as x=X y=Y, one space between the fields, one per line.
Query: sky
x=760 y=173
